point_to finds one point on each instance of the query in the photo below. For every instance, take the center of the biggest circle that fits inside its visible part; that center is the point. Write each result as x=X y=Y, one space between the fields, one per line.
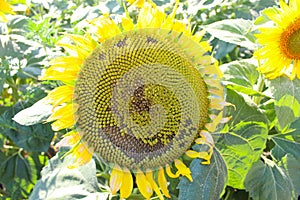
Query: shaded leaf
x=240 y=148
x=31 y=138
x=18 y=175
x=60 y=182
x=208 y=180
x=287 y=142
x=222 y=48
x=292 y=166
x=268 y=181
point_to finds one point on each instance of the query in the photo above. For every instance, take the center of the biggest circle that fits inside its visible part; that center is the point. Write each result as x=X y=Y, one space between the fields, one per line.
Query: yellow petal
x=195 y=154
x=64 y=117
x=136 y=3
x=150 y=17
x=5 y=7
x=65 y=111
x=127 y=24
x=63 y=68
x=116 y=179
x=106 y=27
x=168 y=23
x=162 y=182
x=149 y=177
x=170 y=173
x=83 y=45
x=182 y=169
x=82 y=153
x=143 y=184
x=211 y=127
x=127 y=184
x=60 y=95
x=70 y=138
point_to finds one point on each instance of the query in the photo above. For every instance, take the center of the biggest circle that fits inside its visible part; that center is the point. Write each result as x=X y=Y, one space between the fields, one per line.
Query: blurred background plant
x=260 y=145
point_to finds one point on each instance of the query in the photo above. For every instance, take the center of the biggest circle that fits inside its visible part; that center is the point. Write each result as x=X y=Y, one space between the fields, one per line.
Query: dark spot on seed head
x=121 y=43
x=151 y=40
x=102 y=56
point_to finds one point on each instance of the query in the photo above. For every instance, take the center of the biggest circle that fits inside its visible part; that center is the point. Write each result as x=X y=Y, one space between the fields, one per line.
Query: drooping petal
x=60 y=95
x=182 y=169
x=154 y=186
x=143 y=184
x=170 y=173
x=116 y=179
x=70 y=138
x=64 y=117
x=127 y=184
x=162 y=182
x=82 y=153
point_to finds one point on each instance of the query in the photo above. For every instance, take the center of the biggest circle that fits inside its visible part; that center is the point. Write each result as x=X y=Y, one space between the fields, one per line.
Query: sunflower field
x=150 y=99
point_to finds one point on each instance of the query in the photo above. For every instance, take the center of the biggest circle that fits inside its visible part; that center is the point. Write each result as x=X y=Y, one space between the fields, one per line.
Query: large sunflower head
x=281 y=49
x=139 y=96
x=5 y=8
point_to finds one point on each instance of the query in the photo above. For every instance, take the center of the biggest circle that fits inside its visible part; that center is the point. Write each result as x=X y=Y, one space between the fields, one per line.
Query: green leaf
x=60 y=182
x=243 y=111
x=31 y=138
x=35 y=114
x=235 y=31
x=240 y=148
x=222 y=48
x=208 y=180
x=18 y=175
x=287 y=142
x=242 y=76
x=292 y=166
x=268 y=181
x=287 y=96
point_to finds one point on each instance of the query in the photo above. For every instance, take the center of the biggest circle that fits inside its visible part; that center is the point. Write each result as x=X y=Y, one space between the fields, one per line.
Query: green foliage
x=241 y=147
x=59 y=182
x=208 y=180
x=256 y=153
x=287 y=100
x=268 y=181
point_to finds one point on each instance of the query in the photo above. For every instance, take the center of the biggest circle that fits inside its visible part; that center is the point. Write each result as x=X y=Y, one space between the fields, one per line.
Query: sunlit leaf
x=235 y=31
x=287 y=96
x=243 y=110
x=35 y=114
x=242 y=76
x=240 y=148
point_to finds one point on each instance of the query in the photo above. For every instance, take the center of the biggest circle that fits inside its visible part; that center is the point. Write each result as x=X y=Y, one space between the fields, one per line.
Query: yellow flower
x=5 y=8
x=281 y=49
x=139 y=96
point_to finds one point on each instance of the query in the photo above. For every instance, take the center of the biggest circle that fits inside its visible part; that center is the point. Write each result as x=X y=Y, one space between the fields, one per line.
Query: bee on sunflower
x=280 y=43
x=138 y=95
x=5 y=8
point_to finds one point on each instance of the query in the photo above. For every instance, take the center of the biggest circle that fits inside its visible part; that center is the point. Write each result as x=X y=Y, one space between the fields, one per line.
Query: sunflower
x=281 y=49
x=5 y=8
x=138 y=95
